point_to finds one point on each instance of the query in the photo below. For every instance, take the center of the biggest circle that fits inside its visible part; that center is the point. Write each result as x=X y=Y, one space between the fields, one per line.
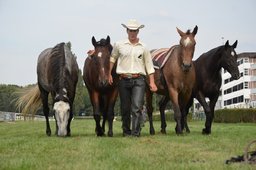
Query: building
x=239 y=93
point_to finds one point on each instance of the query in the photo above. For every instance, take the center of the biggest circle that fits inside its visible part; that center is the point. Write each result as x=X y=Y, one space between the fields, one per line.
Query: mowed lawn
x=24 y=145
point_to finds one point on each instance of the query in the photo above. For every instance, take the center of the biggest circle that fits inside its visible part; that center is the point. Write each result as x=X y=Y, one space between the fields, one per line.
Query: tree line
x=82 y=105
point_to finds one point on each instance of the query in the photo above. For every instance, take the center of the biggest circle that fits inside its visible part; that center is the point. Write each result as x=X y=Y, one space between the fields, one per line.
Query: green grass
x=24 y=145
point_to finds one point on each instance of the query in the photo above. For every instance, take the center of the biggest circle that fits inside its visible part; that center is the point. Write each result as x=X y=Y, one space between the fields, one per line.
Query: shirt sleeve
x=114 y=53
x=148 y=62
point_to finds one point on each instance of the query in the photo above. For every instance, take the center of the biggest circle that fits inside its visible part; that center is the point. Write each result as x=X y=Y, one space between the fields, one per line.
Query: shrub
x=235 y=115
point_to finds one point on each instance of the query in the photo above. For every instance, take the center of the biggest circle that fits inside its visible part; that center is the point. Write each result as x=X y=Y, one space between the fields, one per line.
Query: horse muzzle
x=186 y=67
x=62 y=132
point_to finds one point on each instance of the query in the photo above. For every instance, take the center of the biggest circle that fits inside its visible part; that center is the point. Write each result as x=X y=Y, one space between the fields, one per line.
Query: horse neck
x=58 y=62
x=212 y=62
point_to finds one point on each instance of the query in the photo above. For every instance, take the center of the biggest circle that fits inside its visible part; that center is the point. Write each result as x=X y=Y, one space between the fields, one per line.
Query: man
x=133 y=64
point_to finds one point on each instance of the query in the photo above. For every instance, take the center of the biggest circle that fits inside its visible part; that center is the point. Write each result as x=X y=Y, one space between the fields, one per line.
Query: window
x=246 y=72
x=246 y=85
x=234 y=100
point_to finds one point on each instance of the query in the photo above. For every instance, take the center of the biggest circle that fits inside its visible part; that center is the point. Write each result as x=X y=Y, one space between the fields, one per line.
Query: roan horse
x=102 y=95
x=208 y=81
x=176 y=78
x=57 y=73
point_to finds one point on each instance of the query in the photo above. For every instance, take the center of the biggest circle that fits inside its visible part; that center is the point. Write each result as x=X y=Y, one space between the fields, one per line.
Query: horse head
x=101 y=57
x=61 y=110
x=187 y=45
x=229 y=59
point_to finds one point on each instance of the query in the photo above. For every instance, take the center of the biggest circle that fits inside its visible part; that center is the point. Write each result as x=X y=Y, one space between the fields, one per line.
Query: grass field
x=24 y=145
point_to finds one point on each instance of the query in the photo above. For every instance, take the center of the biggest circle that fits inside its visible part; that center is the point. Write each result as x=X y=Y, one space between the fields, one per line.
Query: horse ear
x=235 y=44
x=227 y=44
x=195 y=30
x=108 y=40
x=180 y=32
x=94 y=41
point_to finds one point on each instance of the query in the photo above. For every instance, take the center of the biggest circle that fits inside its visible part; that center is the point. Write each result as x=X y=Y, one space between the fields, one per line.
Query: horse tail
x=29 y=100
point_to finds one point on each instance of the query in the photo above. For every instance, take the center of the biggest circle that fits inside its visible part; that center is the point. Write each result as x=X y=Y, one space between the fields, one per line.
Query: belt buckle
x=129 y=76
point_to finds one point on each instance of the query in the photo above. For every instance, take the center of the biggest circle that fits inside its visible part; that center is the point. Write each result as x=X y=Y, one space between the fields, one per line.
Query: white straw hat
x=132 y=24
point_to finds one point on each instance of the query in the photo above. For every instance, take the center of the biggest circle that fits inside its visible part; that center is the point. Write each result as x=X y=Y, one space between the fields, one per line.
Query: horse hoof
x=178 y=131
x=152 y=132
x=163 y=131
x=206 y=132
x=100 y=134
x=48 y=133
x=110 y=134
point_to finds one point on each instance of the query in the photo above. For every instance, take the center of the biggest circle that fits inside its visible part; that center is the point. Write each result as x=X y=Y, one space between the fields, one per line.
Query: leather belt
x=129 y=76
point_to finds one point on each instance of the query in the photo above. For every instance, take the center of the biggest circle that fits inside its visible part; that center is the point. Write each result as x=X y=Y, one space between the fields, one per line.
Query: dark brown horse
x=176 y=78
x=103 y=96
x=208 y=81
x=57 y=74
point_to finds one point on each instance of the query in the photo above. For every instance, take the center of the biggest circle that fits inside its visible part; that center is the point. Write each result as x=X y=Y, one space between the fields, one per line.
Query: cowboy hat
x=132 y=24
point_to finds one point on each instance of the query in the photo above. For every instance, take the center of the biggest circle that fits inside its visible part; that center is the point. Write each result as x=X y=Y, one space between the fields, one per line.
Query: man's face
x=132 y=34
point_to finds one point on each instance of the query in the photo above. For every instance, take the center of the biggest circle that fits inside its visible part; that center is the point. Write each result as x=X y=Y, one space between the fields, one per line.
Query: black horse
x=208 y=82
x=57 y=73
x=102 y=95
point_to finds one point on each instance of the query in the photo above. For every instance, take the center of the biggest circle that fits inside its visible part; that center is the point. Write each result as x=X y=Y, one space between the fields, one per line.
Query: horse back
x=47 y=72
x=42 y=69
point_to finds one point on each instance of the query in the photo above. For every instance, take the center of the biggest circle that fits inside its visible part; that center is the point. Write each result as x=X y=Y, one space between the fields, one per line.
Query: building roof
x=247 y=54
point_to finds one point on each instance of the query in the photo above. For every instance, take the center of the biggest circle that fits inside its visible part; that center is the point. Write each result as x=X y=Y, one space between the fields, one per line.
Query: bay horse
x=208 y=82
x=102 y=95
x=57 y=74
x=176 y=77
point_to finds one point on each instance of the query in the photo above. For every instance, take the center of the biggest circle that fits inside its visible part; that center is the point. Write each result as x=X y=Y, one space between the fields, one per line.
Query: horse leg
x=186 y=114
x=70 y=119
x=162 y=106
x=110 y=117
x=208 y=123
x=111 y=105
x=201 y=98
x=44 y=97
x=96 y=113
x=177 y=113
x=103 y=110
x=149 y=108
x=104 y=114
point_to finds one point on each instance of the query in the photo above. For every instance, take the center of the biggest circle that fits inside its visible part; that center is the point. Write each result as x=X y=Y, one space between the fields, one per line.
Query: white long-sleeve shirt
x=132 y=58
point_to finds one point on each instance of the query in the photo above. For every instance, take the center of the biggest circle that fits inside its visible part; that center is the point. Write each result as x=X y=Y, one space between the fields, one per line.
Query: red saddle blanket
x=160 y=56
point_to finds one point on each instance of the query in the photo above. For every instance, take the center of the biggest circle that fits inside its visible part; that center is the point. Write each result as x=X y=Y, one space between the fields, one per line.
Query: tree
x=8 y=97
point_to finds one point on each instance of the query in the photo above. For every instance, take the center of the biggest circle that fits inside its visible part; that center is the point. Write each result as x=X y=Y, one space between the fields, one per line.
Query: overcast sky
x=27 y=27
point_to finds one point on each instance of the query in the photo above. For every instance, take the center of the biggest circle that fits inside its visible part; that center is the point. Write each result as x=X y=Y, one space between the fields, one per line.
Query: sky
x=28 y=27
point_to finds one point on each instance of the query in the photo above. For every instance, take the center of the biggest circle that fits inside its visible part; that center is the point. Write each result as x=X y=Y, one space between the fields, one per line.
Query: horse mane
x=103 y=42
x=188 y=32
x=57 y=64
x=212 y=52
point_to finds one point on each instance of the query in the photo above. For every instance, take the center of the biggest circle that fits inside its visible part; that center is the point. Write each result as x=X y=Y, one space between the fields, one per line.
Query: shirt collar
x=128 y=42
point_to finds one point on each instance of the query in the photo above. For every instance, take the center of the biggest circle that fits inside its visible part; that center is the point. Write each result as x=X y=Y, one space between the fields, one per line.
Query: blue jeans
x=131 y=91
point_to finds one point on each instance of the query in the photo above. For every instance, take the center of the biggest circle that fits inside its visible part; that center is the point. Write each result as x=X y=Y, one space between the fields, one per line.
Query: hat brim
x=133 y=27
